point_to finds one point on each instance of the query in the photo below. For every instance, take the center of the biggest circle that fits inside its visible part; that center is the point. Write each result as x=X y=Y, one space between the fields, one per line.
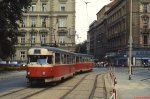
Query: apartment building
x=97 y=34
x=47 y=23
x=118 y=32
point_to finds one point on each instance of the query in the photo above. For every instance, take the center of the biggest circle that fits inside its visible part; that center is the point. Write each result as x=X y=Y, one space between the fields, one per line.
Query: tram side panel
x=63 y=70
x=83 y=63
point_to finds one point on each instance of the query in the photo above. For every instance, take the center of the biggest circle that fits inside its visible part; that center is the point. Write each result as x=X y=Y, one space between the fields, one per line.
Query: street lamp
x=130 y=42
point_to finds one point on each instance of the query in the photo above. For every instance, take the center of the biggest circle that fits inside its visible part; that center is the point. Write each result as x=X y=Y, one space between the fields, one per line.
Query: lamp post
x=130 y=42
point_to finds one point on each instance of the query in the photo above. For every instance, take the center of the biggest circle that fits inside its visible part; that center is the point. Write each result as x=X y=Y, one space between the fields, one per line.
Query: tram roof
x=53 y=49
x=60 y=50
x=80 y=54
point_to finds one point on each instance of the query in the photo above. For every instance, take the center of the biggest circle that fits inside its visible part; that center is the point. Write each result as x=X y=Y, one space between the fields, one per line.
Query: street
x=83 y=86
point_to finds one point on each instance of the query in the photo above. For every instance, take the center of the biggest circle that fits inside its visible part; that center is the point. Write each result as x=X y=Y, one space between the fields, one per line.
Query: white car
x=3 y=62
x=13 y=63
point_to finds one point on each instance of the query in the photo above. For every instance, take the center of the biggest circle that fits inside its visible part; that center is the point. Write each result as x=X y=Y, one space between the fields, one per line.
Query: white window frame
x=33 y=7
x=24 y=22
x=145 y=22
x=42 y=20
x=33 y=38
x=62 y=37
x=62 y=7
x=33 y=21
x=43 y=38
x=22 y=55
x=23 y=39
x=62 y=22
x=145 y=7
x=44 y=7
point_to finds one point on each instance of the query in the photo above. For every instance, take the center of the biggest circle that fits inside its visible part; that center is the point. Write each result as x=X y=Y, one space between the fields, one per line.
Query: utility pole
x=130 y=42
x=87 y=11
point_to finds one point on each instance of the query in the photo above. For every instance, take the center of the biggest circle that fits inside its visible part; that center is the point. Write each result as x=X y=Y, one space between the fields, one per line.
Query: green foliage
x=81 y=48
x=11 y=11
x=11 y=68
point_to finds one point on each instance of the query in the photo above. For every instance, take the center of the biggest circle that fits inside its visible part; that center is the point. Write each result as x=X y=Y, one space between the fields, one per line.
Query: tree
x=11 y=11
x=81 y=48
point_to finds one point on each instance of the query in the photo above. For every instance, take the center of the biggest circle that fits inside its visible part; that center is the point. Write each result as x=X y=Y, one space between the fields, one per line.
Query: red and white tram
x=48 y=64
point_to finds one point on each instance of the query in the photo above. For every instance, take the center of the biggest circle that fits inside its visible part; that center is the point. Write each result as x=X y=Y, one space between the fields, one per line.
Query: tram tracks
x=63 y=97
x=6 y=94
x=94 y=87
x=86 y=86
x=28 y=92
x=23 y=93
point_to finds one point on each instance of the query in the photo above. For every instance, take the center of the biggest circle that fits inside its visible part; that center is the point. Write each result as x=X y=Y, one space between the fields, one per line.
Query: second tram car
x=48 y=64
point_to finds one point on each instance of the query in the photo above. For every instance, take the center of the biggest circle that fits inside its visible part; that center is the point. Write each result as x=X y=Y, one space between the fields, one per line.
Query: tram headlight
x=43 y=73
x=28 y=73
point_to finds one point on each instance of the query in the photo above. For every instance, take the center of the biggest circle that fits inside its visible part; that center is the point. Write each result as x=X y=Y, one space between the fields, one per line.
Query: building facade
x=118 y=32
x=97 y=34
x=47 y=23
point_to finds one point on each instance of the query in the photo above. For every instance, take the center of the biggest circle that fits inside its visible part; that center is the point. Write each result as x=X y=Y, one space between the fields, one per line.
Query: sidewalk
x=136 y=88
x=12 y=74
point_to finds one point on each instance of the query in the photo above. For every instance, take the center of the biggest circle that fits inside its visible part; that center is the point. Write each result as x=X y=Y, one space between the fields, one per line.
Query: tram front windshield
x=34 y=59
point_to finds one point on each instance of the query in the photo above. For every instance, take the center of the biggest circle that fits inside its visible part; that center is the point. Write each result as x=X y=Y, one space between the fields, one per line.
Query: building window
x=22 y=39
x=44 y=7
x=145 y=22
x=145 y=7
x=33 y=7
x=62 y=7
x=62 y=22
x=62 y=37
x=22 y=55
x=43 y=21
x=145 y=39
x=33 y=19
x=23 y=22
x=43 y=38
x=33 y=38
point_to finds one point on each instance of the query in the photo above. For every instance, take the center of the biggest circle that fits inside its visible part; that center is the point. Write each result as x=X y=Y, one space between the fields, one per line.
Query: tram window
x=77 y=59
x=65 y=59
x=74 y=59
x=70 y=59
x=50 y=61
x=81 y=60
x=57 y=58
x=62 y=58
x=41 y=59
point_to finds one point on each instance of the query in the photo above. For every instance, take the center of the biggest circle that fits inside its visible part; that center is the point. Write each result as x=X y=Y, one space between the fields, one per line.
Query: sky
x=85 y=15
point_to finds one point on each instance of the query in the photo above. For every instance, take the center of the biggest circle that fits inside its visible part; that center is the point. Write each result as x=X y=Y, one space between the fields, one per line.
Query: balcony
x=62 y=0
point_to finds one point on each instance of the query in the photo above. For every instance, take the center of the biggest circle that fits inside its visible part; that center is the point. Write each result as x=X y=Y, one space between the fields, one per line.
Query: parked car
x=13 y=63
x=22 y=64
x=3 y=62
